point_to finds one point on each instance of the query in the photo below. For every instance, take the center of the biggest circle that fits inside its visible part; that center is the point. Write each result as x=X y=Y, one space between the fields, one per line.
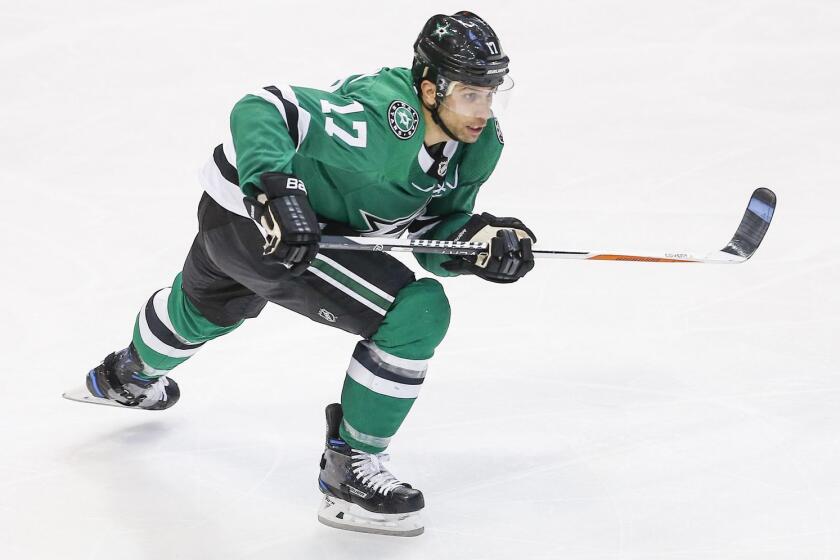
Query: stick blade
x=753 y=226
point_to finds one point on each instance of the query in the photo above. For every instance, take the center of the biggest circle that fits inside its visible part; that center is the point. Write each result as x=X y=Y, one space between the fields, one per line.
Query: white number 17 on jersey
x=332 y=129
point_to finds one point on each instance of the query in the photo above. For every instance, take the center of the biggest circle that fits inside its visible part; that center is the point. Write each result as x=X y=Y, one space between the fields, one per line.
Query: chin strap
x=436 y=118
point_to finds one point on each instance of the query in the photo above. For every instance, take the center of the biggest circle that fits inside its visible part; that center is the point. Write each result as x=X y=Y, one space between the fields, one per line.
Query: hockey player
x=375 y=154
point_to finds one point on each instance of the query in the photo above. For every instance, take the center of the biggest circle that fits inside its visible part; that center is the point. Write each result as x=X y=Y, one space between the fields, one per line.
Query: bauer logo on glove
x=291 y=228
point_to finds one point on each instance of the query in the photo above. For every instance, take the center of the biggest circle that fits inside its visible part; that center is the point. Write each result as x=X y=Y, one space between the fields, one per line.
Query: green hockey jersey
x=358 y=147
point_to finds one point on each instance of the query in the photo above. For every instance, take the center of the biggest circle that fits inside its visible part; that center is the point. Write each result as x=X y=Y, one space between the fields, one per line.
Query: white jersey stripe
x=304 y=118
x=228 y=195
x=229 y=150
x=326 y=278
x=356 y=277
x=450 y=147
x=274 y=101
x=424 y=159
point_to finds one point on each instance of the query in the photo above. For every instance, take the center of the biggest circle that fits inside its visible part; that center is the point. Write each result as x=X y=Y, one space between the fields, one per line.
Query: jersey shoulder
x=391 y=105
x=378 y=112
x=379 y=88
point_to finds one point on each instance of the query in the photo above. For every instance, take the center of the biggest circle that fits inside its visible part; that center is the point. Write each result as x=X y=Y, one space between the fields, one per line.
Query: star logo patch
x=403 y=119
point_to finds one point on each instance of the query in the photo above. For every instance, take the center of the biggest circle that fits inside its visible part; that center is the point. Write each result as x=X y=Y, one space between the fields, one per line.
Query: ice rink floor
x=593 y=411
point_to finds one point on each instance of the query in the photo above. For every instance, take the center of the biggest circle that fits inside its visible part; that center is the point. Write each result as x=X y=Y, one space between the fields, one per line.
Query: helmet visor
x=472 y=101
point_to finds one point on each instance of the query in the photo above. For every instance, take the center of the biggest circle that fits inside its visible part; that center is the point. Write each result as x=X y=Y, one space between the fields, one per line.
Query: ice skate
x=119 y=381
x=360 y=494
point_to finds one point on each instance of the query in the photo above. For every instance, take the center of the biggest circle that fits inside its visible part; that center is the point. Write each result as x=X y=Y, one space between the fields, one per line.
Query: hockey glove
x=509 y=257
x=290 y=224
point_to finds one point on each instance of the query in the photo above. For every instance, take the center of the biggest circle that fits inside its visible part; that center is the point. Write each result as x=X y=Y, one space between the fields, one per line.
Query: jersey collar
x=433 y=166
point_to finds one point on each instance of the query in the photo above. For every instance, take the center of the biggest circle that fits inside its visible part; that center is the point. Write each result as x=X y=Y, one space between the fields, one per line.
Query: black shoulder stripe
x=228 y=171
x=291 y=114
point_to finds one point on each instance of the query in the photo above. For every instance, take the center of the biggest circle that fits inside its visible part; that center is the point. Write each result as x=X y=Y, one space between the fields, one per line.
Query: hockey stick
x=741 y=247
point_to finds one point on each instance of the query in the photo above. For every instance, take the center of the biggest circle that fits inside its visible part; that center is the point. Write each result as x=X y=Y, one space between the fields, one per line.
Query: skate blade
x=81 y=394
x=340 y=514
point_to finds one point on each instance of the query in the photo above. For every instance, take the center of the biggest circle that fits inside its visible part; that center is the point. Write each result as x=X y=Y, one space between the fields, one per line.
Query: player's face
x=466 y=109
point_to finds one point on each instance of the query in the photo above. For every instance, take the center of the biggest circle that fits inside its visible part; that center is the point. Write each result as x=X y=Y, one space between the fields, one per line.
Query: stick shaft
x=457 y=248
x=741 y=247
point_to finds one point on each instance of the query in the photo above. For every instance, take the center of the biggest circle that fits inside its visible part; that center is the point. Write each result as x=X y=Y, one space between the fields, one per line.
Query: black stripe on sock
x=291 y=114
x=380 y=369
x=161 y=331
x=228 y=171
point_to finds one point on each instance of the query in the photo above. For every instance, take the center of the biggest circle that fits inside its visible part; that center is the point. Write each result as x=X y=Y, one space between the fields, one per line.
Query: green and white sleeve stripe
x=220 y=176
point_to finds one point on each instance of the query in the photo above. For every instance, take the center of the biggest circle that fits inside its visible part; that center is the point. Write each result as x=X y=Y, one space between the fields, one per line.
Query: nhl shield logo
x=442 y=167
x=403 y=119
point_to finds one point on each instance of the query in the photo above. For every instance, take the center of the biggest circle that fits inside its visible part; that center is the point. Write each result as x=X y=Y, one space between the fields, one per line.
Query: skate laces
x=371 y=471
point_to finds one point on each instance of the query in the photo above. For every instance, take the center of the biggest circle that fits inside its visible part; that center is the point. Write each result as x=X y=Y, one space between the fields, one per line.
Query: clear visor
x=477 y=101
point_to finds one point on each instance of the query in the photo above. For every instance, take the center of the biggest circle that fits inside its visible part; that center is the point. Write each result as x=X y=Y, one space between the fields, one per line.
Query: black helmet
x=461 y=47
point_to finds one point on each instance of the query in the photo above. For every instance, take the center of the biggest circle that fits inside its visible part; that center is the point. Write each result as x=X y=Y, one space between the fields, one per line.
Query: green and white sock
x=169 y=329
x=378 y=393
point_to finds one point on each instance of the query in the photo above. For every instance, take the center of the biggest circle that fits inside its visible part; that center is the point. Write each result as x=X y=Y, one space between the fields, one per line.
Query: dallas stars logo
x=499 y=134
x=377 y=226
x=441 y=31
x=403 y=119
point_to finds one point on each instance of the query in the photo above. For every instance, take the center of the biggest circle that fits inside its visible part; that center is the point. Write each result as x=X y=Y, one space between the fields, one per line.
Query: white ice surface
x=592 y=411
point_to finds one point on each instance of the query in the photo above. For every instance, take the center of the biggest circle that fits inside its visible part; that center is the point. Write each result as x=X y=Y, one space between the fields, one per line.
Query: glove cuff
x=281 y=184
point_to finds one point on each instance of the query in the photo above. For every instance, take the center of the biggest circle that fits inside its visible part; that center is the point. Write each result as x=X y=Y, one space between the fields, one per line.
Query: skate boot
x=119 y=379
x=360 y=494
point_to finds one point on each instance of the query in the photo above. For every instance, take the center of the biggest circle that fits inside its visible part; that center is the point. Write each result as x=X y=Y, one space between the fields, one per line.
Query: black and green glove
x=291 y=226
x=509 y=257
